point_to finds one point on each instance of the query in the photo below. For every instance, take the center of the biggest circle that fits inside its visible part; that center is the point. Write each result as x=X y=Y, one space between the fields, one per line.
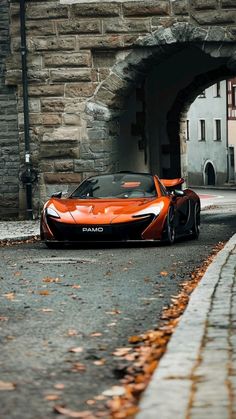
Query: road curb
x=168 y=392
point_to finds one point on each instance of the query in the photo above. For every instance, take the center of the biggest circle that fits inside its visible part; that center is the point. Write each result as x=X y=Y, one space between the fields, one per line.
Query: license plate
x=96 y=230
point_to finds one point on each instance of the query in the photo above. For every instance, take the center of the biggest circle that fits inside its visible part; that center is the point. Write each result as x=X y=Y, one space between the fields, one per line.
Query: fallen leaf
x=100 y=397
x=100 y=362
x=72 y=413
x=113 y=312
x=3 y=319
x=135 y=339
x=52 y=397
x=43 y=292
x=95 y=334
x=6 y=385
x=17 y=273
x=90 y=402
x=46 y=310
x=121 y=351
x=72 y=332
x=49 y=279
x=77 y=349
x=78 y=367
x=163 y=273
x=59 y=386
x=76 y=286
x=114 y=391
x=9 y=295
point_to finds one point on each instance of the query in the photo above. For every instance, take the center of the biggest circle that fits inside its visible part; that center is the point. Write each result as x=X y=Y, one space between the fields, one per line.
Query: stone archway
x=218 y=54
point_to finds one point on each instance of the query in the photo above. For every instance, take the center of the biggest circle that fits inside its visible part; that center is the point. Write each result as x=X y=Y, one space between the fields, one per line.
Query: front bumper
x=65 y=232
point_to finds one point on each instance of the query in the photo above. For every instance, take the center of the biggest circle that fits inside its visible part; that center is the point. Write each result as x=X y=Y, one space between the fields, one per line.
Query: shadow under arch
x=133 y=66
x=209 y=174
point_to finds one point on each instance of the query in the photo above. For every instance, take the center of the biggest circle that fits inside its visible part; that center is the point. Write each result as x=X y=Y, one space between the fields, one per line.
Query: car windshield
x=118 y=185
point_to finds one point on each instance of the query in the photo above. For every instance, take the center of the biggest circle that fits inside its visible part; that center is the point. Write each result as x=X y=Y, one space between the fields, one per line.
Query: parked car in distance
x=123 y=206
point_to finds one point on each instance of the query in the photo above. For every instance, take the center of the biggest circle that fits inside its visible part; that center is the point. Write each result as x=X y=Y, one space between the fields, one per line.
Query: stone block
x=101 y=146
x=114 y=83
x=52 y=43
x=46 y=166
x=104 y=59
x=96 y=9
x=146 y=8
x=101 y=42
x=76 y=59
x=62 y=134
x=50 y=119
x=97 y=134
x=83 y=165
x=56 y=151
x=180 y=7
x=60 y=178
x=80 y=89
x=64 y=165
x=204 y=4
x=79 y=26
x=45 y=90
x=34 y=28
x=127 y=25
x=71 y=119
x=108 y=98
x=52 y=105
x=72 y=75
x=50 y=10
x=215 y=17
x=228 y=3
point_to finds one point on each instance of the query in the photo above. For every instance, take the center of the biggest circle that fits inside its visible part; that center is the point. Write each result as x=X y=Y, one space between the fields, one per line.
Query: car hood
x=100 y=211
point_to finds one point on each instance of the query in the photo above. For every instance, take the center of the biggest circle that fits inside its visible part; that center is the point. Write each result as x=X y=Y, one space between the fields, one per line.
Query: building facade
x=207 y=137
x=109 y=84
x=232 y=129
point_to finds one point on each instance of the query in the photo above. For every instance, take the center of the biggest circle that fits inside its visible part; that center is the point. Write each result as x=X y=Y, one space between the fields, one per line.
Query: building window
x=187 y=130
x=216 y=89
x=202 y=130
x=234 y=95
x=217 y=130
x=203 y=94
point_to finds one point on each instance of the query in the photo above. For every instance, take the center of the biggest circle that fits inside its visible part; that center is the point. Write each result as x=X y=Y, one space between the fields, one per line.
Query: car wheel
x=196 y=221
x=169 y=232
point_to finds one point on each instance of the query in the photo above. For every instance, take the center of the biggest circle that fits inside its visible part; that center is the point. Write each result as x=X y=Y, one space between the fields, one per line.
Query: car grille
x=90 y=232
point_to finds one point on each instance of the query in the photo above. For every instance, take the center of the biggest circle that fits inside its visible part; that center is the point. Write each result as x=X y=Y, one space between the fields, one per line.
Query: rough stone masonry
x=84 y=59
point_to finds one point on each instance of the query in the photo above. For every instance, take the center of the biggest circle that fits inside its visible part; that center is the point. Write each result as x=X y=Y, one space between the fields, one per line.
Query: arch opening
x=209 y=175
x=144 y=102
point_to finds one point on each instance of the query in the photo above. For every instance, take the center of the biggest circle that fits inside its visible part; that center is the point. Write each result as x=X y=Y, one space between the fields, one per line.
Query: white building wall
x=199 y=152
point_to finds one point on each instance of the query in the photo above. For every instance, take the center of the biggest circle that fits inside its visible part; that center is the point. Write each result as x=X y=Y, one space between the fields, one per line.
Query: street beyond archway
x=65 y=312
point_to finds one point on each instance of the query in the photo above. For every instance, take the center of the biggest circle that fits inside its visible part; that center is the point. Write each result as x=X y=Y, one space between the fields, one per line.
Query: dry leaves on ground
x=149 y=347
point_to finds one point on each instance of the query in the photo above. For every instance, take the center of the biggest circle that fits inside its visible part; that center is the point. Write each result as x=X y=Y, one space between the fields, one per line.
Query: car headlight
x=151 y=210
x=52 y=213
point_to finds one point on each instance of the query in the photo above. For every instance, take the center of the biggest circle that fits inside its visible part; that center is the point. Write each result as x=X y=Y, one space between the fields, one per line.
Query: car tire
x=196 y=221
x=169 y=231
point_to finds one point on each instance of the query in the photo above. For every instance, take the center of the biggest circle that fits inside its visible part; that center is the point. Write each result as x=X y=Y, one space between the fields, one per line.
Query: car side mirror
x=178 y=192
x=57 y=195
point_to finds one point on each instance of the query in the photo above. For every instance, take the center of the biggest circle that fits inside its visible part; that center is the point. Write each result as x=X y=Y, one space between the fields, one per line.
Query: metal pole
x=28 y=183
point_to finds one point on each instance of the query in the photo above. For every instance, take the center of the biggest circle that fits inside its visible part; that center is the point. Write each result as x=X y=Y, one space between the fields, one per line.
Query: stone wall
x=9 y=149
x=80 y=72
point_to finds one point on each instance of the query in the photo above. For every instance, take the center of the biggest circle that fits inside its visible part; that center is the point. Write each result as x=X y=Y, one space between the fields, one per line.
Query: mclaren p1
x=121 y=206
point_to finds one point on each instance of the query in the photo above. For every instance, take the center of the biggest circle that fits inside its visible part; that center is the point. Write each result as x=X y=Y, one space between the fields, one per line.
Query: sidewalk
x=18 y=230
x=196 y=378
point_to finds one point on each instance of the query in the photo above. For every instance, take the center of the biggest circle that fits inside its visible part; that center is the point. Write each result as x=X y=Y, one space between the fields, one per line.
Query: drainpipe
x=26 y=177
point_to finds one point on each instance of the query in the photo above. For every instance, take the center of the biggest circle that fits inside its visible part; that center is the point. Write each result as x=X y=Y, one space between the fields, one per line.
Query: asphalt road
x=64 y=312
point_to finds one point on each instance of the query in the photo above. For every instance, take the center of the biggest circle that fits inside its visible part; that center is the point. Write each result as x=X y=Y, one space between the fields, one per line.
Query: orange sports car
x=122 y=206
